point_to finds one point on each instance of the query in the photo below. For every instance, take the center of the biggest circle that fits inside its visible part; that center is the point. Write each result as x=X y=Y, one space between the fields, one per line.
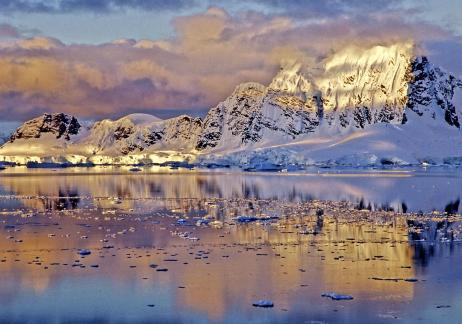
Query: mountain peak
x=291 y=80
x=374 y=56
x=376 y=70
x=58 y=124
x=249 y=89
x=139 y=118
x=432 y=91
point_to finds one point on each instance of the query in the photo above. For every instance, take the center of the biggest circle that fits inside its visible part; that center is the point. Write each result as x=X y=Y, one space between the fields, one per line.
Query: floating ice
x=246 y=219
x=202 y=221
x=249 y=219
x=335 y=296
x=265 y=303
x=84 y=252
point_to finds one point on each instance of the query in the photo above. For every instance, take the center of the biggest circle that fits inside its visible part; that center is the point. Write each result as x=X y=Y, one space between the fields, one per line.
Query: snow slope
x=382 y=144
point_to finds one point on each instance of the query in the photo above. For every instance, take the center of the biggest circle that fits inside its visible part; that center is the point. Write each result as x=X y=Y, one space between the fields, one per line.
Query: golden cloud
x=211 y=53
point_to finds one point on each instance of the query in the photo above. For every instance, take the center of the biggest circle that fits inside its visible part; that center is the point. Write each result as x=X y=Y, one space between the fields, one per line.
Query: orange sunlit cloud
x=211 y=53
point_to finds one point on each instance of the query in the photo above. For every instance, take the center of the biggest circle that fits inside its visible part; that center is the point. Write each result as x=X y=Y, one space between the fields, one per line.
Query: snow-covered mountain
x=136 y=138
x=255 y=114
x=58 y=125
x=352 y=91
x=139 y=132
x=358 y=107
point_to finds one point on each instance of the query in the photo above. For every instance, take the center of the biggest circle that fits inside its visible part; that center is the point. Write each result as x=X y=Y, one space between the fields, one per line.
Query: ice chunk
x=246 y=219
x=335 y=296
x=249 y=219
x=84 y=252
x=202 y=222
x=265 y=303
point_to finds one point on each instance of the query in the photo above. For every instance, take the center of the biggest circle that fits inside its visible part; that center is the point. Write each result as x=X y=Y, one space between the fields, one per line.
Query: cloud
x=300 y=8
x=32 y=43
x=95 y=6
x=9 y=31
x=316 y=9
x=210 y=54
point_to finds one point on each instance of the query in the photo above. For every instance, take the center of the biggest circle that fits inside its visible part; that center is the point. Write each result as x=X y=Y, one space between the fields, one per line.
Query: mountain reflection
x=373 y=191
x=258 y=259
x=312 y=248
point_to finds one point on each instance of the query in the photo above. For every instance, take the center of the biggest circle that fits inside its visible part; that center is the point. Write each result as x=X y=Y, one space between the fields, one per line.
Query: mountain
x=431 y=92
x=136 y=138
x=57 y=125
x=142 y=132
x=352 y=91
x=255 y=114
x=361 y=107
x=376 y=106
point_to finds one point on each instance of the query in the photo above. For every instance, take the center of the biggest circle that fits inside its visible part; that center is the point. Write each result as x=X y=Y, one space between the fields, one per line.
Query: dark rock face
x=294 y=116
x=122 y=132
x=431 y=91
x=214 y=125
x=177 y=132
x=154 y=137
x=237 y=114
x=361 y=116
x=61 y=125
x=251 y=111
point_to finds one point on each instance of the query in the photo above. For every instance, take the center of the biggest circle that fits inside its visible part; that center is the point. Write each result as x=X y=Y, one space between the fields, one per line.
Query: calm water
x=413 y=190
x=397 y=266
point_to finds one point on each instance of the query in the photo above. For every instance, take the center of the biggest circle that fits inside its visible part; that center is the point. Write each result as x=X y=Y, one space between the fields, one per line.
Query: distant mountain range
x=379 y=106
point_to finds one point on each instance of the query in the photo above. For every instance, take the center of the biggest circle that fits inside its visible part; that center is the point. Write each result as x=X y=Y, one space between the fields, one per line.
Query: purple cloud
x=96 y=6
x=9 y=31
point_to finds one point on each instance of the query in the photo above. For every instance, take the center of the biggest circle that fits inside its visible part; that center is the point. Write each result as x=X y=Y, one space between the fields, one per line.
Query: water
x=338 y=231
x=413 y=190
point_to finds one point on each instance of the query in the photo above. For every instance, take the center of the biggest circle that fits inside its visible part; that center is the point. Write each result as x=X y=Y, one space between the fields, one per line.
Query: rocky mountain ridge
x=60 y=125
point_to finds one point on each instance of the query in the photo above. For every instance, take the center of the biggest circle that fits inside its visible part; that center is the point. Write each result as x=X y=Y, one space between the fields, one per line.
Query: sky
x=108 y=58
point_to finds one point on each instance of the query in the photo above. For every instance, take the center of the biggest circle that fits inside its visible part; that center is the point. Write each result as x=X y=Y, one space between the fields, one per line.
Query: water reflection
x=394 y=264
x=398 y=191
x=312 y=248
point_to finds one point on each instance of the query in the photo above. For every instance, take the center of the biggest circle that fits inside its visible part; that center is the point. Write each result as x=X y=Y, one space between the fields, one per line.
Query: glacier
x=381 y=106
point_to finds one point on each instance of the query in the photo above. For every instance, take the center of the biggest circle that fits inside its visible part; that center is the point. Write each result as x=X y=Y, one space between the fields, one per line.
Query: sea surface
x=159 y=245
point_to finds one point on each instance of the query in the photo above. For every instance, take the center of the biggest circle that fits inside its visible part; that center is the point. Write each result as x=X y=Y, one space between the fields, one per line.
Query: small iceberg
x=249 y=219
x=335 y=296
x=216 y=224
x=246 y=219
x=84 y=252
x=202 y=222
x=181 y=221
x=265 y=303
